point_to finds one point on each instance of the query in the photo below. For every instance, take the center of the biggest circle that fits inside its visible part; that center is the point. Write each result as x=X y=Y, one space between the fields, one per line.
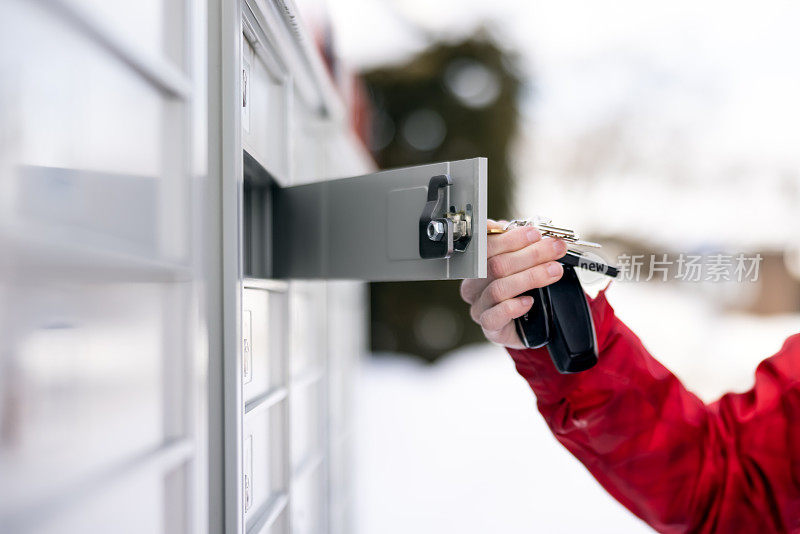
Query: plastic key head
x=533 y=328
x=573 y=344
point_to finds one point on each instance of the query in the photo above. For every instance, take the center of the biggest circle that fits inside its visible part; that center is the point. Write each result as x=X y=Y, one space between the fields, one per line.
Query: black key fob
x=573 y=344
x=533 y=328
x=561 y=320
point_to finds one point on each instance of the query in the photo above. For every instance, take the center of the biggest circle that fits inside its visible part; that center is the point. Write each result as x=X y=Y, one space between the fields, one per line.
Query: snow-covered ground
x=459 y=446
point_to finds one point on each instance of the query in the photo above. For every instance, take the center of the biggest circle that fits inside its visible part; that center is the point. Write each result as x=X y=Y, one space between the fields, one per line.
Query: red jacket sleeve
x=680 y=465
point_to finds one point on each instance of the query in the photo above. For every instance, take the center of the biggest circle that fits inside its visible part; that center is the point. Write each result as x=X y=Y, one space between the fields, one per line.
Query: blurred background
x=154 y=377
x=654 y=128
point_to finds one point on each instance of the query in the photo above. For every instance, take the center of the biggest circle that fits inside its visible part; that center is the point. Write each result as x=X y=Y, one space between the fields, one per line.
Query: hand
x=518 y=261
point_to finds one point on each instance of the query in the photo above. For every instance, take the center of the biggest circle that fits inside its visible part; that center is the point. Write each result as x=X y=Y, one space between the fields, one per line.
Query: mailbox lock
x=443 y=231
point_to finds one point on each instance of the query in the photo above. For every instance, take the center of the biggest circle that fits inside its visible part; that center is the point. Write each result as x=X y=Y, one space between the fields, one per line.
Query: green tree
x=453 y=101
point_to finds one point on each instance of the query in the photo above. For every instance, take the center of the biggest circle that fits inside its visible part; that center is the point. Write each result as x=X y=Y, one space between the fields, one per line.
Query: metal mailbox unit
x=187 y=221
x=102 y=375
x=299 y=219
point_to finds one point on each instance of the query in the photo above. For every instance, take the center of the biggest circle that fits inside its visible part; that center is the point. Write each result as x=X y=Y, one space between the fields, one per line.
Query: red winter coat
x=680 y=465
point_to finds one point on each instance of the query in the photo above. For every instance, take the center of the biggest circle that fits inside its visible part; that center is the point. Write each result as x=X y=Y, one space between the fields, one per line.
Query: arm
x=682 y=466
x=733 y=466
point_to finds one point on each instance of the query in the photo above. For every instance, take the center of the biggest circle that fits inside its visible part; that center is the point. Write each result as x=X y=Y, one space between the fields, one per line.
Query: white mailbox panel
x=141 y=502
x=280 y=525
x=96 y=161
x=307 y=328
x=347 y=333
x=307 y=149
x=308 y=503
x=341 y=497
x=143 y=22
x=263 y=342
x=264 y=460
x=307 y=423
x=87 y=383
x=100 y=370
x=264 y=102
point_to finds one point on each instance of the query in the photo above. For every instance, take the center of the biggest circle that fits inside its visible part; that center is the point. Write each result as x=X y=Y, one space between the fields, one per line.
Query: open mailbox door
x=426 y=222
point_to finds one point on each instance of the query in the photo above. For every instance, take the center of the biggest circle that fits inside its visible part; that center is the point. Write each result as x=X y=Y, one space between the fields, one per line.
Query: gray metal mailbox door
x=374 y=227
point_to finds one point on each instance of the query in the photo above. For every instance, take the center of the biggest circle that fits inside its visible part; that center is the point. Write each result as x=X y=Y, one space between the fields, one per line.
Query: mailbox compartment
x=307 y=326
x=307 y=422
x=264 y=460
x=95 y=381
x=141 y=500
x=308 y=502
x=264 y=101
x=97 y=163
x=263 y=342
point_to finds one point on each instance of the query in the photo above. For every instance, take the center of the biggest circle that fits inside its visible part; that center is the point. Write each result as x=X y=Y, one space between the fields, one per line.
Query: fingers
x=497 y=317
x=472 y=288
x=506 y=336
x=511 y=286
x=491 y=223
x=512 y=240
x=512 y=253
x=518 y=260
x=510 y=263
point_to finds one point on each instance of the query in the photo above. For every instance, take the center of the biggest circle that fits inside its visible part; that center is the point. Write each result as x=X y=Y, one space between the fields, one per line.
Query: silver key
x=548 y=229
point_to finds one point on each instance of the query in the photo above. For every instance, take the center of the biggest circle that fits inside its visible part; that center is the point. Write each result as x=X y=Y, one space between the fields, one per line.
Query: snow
x=460 y=447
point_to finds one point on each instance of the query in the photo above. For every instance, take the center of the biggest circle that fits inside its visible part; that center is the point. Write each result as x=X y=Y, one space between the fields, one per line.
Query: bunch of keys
x=560 y=318
x=547 y=229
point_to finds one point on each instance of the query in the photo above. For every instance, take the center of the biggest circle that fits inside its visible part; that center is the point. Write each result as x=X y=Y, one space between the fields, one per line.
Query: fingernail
x=553 y=269
x=559 y=247
x=533 y=235
x=527 y=301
